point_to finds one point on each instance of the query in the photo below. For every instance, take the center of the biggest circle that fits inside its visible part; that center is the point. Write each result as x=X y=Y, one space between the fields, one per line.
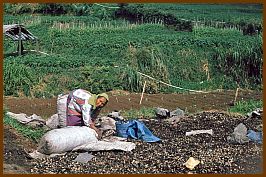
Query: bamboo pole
x=236 y=94
x=142 y=92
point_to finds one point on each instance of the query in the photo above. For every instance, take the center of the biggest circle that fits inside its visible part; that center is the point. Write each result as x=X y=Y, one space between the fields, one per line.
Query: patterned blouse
x=78 y=106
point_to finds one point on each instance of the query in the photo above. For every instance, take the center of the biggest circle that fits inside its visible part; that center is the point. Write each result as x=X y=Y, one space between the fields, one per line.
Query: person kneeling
x=84 y=107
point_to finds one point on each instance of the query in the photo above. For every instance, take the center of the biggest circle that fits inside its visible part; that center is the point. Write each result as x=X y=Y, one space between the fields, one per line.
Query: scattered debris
x=106 y=123
x=84 y=157
x=168 y=157
x=37 y=155
x=33 y=120
x=177 y=113
x=239 y=136
x=162 y=113
x=174 y=116
x=255 y=136
x=115 y=115
x=194 y=132
x=256 y=113
x=191 y=163
x=173 y=120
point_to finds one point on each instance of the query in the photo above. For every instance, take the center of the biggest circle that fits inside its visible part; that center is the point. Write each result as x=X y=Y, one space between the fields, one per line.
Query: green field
x=95 y=50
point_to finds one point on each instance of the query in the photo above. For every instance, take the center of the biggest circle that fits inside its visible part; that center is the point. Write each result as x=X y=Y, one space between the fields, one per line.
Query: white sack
x=61 y=109
x=66 y=139
x=108 y=143
x=107 y=123
x=37 y=155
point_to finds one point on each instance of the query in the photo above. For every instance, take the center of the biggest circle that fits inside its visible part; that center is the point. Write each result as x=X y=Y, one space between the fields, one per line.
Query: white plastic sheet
x=194 y=132
x=106 y=146
x=33 y=120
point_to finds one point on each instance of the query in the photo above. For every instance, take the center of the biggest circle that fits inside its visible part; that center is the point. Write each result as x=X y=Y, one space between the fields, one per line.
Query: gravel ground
x=215 y=154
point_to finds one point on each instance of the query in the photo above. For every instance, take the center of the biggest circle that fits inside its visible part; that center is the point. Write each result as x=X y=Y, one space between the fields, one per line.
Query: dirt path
x=120 y=100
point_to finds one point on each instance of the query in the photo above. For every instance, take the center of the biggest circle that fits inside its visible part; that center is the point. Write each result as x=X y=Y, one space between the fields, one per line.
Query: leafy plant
x=18 y=78
x=32 y=133
x=143 y=112
x=117 y=50
x=99 y=79
x=245 y=107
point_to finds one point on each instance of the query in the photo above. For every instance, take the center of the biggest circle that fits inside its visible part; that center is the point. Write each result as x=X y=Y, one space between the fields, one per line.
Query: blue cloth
x=255 y=136
x=137 y=130
x=121 y=128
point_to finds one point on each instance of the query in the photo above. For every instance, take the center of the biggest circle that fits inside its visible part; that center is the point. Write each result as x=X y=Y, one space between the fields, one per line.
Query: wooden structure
x=18 y=33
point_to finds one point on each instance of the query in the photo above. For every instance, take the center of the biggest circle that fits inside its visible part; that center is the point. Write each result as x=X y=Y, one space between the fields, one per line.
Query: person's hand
x=99 y=132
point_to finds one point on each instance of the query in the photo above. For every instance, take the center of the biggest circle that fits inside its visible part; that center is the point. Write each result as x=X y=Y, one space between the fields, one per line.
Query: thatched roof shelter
x=13 y=31
x=18 y=33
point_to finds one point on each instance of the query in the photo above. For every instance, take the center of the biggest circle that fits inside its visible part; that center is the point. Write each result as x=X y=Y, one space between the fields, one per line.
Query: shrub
x=99 y=79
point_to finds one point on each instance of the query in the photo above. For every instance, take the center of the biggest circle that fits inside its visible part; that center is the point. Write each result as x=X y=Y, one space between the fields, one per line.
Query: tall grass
x=149 y=61
x=242 y=62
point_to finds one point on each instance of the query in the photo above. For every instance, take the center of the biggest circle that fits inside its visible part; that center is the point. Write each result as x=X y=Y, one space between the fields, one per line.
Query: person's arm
x=92 y=125
x=88 y=120
x=86 y=114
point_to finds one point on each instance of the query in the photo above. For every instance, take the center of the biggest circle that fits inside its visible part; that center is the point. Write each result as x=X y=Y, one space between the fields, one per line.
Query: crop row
x=78 y=55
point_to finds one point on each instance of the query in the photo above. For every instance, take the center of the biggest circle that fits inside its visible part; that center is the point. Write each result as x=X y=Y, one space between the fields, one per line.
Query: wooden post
x=236 y=94
x=19 y=42
x=37 y=45
x=142 y=92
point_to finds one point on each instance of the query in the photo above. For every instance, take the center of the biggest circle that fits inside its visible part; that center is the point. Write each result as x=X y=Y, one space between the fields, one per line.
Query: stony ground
x=169 y=155
x=214 y=152
x=15 y=157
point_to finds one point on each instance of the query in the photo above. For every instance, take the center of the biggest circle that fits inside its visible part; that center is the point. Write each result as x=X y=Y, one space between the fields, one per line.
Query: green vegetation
x=32 y=133
x=143 y=112
x=244 y=107
x=18 y=79
x=224 y=12
x=90 y=48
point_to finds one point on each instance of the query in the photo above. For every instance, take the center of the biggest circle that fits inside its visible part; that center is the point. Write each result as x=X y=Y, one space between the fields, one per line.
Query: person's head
x=101 y=100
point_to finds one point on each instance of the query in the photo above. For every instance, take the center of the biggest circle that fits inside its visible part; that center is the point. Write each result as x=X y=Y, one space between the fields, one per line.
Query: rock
x=191 y=163
x=162 y=113
x=177 y=113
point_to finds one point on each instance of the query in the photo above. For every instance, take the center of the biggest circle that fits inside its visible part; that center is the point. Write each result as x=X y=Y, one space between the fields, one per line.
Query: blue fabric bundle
x=255 y=136
x=136 y=130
